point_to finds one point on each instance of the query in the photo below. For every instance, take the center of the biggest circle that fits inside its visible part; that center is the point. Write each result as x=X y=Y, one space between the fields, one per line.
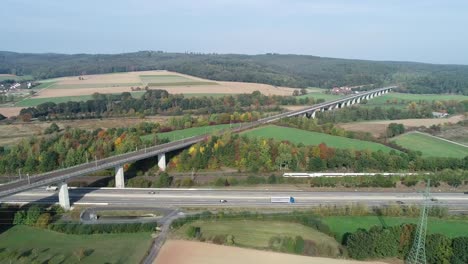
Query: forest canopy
x=274 y=69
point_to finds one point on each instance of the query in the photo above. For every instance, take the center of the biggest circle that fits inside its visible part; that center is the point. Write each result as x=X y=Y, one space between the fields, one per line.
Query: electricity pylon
x=417 y=255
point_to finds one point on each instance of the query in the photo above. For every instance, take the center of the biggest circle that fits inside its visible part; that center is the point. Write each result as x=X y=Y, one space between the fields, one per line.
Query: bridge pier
x=162 y=161
x=119 y=177
x=64 y=198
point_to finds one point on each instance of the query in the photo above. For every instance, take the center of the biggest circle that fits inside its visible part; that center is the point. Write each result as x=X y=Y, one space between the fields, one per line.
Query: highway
x=132 y=197
x=61 y=175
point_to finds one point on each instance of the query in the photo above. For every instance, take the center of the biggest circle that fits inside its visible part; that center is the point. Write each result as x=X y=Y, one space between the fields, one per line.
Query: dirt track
x=189 y=252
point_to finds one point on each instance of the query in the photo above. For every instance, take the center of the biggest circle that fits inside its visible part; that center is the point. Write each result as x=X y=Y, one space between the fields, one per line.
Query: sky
x=398 y=30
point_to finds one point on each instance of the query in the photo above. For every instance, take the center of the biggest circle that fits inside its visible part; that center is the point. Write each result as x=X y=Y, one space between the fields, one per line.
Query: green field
x=93 y=85
x=30 y=102
x=256 y=234
x=321 y=95
x=189 y=132
x=295 y=135
x=395 y=99
x=342 y=224
x=14 y=77
x=430 y=146
x=60 y=248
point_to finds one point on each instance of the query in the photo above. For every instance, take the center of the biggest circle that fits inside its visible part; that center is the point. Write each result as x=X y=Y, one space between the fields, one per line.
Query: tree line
x=389 y=242
x=159 y=102
x=275 y=69
x=266 y=155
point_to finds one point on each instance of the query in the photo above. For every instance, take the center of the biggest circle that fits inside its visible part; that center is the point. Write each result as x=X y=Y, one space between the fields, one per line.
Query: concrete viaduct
x=62 y=175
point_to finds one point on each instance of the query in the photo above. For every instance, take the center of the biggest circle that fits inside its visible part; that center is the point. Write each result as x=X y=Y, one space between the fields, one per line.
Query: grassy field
x=314 y=138
x=430 y=146
x=256 y=234
x=342 y=224
x=189 y=132
x=403 y=99
x=321 y=95
x=61 y=248
x=29 y=102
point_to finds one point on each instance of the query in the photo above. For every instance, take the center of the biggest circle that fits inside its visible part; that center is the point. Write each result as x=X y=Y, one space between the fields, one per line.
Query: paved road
x=244 y=198
x=114 y=161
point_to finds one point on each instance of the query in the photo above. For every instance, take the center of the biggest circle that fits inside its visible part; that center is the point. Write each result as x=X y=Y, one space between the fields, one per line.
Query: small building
x=439 y=114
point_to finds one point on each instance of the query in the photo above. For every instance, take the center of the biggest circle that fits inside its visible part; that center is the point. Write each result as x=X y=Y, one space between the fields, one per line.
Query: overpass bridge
x=117 y=162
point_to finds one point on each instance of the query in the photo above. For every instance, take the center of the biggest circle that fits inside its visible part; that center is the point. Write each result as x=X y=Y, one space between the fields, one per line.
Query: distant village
x=15 y=87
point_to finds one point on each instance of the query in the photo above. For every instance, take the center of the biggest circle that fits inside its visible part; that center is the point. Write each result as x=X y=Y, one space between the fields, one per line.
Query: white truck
x=283 y=199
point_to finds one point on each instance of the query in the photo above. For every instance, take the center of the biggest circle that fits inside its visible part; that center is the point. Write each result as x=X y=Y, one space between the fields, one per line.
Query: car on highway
x=51 y=188
x=465 y=192
x=223 y=201
x=400 y=202
x=151 y=192
x=434 y=199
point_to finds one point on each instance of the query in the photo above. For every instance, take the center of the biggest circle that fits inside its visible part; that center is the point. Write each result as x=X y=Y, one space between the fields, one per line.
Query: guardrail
x=117 y=160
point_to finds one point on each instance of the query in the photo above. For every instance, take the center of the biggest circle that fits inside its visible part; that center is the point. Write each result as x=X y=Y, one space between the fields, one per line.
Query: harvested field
x=10 y=111
x=188 y=252
x=457 y=133
x=378 y=128
x=171 y=81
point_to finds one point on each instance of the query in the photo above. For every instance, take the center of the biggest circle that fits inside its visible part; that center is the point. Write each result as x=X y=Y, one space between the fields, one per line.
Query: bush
x=32 y=215
x=219 y=239
x=230 y=240
x=299 y=245
x=20 y=218
x=43 y=220
x=193 y=232
x=438 y=249
x=460 y=250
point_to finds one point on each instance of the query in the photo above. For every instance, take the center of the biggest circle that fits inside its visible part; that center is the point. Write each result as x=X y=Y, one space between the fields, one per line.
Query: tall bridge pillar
x=119 y=177
x=64 y=199
x=162 y=161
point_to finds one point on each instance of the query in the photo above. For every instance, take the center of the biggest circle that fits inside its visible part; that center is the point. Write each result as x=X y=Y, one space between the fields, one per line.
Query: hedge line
x=87 y=229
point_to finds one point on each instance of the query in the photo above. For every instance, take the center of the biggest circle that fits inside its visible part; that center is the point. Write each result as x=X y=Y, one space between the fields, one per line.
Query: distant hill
x=275 y=69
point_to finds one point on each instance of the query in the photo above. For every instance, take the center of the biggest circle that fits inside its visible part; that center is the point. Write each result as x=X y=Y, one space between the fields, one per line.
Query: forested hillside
x=275 y=69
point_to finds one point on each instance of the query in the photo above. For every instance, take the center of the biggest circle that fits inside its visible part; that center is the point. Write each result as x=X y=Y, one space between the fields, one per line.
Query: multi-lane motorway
x=243 y=198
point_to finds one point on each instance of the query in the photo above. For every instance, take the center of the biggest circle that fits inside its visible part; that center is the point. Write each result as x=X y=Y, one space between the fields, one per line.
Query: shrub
x=219 y=239
x=43 y=220
x=20 y=218
x=299 y=245
x=193 y=232
x=460 y=250
x=32 y=215
x=230 y=240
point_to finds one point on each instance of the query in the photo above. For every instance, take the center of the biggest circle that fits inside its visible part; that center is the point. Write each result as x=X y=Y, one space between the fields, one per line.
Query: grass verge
x=52 y=247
